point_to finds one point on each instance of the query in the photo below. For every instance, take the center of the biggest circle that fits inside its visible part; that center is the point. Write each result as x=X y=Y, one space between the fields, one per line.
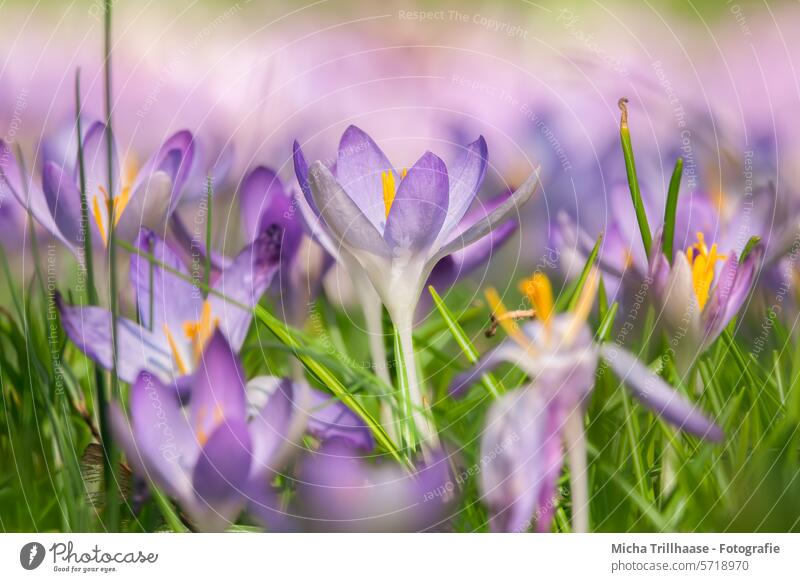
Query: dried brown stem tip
x=623 y=106
x=518 y=314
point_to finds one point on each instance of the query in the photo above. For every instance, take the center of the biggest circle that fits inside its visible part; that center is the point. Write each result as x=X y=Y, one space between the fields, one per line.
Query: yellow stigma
x=389 y=189
x=702 y=262
x=99 y=219
x=176 y=354
x=506 y=320
x=199 y=332
x=118 y=203
x=538 y=290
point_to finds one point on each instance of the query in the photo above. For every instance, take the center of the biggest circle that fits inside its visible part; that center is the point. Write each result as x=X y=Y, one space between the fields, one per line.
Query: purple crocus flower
x=528 y=430
x=264 y=202
x=143 y=196
x=217 y=453
x=704 y=286
x=176 y=322
x=392 y=227
x=339 y=489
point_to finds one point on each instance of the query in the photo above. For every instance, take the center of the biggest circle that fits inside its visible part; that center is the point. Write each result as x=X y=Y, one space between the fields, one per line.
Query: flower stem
x=112 y=506
x=415 y=406
x=575 y=441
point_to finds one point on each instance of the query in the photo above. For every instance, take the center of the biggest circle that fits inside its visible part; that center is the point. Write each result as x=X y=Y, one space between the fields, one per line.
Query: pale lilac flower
x=528 y=431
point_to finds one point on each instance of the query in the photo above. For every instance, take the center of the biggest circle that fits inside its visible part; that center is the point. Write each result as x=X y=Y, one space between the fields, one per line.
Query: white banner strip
x=388 y=557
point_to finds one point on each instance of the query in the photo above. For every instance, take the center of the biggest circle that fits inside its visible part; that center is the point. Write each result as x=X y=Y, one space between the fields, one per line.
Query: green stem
x=112 y=506
x=415 y=405
x=86 y=232
x=575 y=442
x=88 y=258
x=207 y=268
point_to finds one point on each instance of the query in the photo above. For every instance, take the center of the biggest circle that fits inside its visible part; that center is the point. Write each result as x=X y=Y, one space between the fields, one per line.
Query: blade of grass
x=670 y=210
x=587 y=267
x=167 y=510
x=751 y=242
x=633 y=180
x=464 y=343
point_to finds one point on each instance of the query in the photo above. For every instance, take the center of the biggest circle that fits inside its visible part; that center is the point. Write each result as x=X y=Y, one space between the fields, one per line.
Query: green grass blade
x=587 y=267
x=463 y=342
x=670 y=210
x=751 y=242
x=285 y=335
x=633 y=180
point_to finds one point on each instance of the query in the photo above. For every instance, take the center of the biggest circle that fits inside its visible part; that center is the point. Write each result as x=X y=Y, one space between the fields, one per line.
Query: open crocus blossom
x=143 y=196
x=216 y=453
x=532 y=427
x=700 y=290
x=392 y=227
x=176 y=321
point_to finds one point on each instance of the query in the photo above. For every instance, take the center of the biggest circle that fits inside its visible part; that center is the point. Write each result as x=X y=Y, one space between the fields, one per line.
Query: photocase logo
x=31 y=555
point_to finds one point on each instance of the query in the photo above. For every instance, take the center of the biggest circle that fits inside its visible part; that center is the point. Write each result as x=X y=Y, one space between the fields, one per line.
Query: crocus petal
x=733 y=286
x=191 y=248
x=173 y=300
x=316 y=228
x=218 y=395
x=359 y=166
x=508 y=351
x=523 y=450
x=95 y=156
x=269 y=427
x=89 y=328
x=680 y=307
x=220 y=476
x=338 y=490
x=301 y=171
x=148 y=206
x=243 y=283
x=462 y=262
x=164 y=443
x=35 y=202
x=507 y=210
x=466 y=175
x=175 y=158
x=329 y=418
x=348 y=224
x=657 y=395
x=420 y=206
x=263 y=203
x=64 y=201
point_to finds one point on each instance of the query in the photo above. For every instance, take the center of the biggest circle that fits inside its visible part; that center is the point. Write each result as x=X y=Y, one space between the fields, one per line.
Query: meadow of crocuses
x=399 y=267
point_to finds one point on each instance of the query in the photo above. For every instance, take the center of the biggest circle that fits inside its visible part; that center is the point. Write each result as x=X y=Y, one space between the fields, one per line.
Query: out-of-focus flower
x=263 y=202
x=525 y=428
x=143 y=196
x=690 y=303
x=704 y=286
x=341 y=490
x=176 y=321
x=217 y=453
x=392 y=227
